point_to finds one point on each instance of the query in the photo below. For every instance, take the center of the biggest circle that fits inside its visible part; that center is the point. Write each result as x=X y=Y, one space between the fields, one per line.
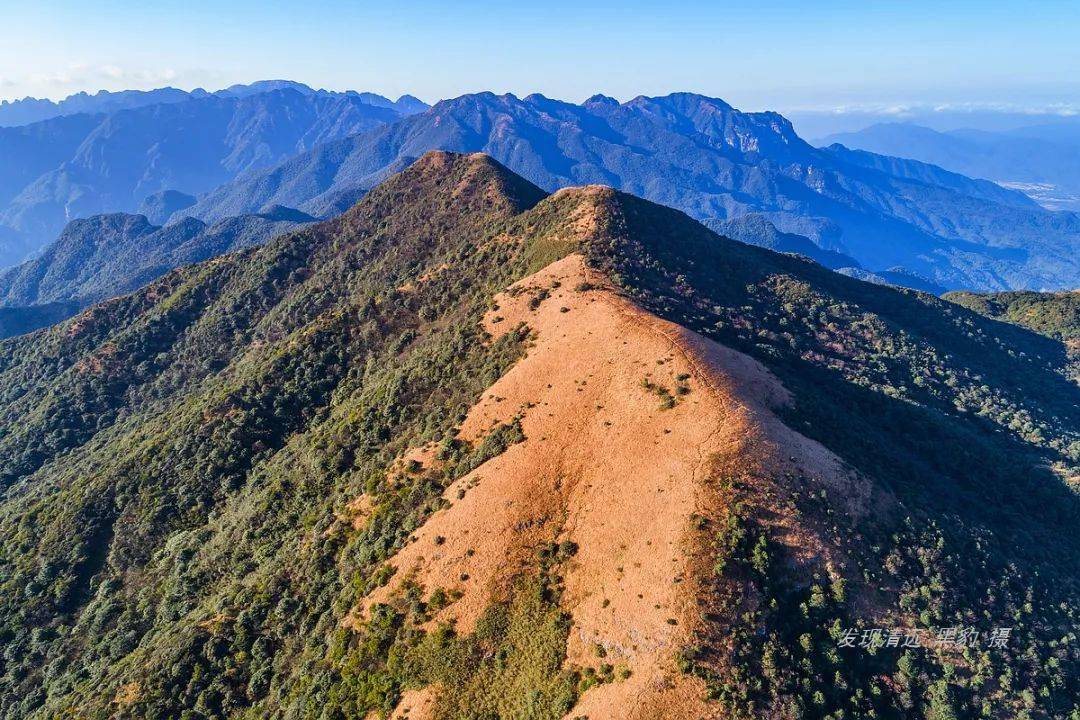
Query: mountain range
x=108 y=255
x=81 y=165
x=31 y=110
x=1043 y=161
x=716 y=163
x=277 y=144
x=473 y=450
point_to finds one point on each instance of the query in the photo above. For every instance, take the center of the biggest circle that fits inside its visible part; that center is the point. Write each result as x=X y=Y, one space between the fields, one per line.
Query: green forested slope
x=972 y=427
x=175 y=463
x=1053 y=314
x=172 y=459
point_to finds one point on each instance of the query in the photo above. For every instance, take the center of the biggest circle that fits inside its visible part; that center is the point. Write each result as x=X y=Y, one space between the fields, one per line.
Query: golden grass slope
x=628 y=419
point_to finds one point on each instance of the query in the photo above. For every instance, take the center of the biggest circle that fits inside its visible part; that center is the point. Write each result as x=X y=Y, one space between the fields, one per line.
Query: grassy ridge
x=176 y=538
x=972 y=429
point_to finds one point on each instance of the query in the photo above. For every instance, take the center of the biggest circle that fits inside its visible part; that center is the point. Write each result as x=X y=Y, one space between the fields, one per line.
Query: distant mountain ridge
x=83 y=165
x=160 y=206
x=108 y=255
x=932 y=174
x=1042 y=161
x=756 y=230
x=704 y=157
x=286 y=144
x=30 y=151
x=30 y=110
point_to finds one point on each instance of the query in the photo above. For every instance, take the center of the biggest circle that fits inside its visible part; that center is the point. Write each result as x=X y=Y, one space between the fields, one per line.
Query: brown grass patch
x=608 y=467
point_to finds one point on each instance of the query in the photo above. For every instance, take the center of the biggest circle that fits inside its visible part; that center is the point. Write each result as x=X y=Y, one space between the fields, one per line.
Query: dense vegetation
x=178 y=468
x=969 y=429
x=177 y=462
x=1053 y=314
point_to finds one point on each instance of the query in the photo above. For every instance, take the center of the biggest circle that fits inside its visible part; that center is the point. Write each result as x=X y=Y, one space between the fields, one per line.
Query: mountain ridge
x=108 y=255
x=111 y=162
x=238 y=465
x=1037 y=161
x=29 y=110
x=895 y=218
x=700 y=155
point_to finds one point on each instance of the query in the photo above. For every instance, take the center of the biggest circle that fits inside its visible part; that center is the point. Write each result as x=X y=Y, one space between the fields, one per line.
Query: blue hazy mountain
x=895 y=277
x=72 y=167
x=20 y=320
x=108 y=255
x=933 y=175
x=754 y=229
x=704 y=157
x=28 y=152
x=823 y=123
x=1041 y=160
x=1065 y=131
x=160 y=206
x=32 y=110
x=406 y=104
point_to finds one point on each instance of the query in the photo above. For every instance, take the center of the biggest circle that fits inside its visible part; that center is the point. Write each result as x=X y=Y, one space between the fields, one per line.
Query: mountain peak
x=444 y=161
x=600 y=99
x=460 y=182
x=263 y=86
x=160 y=206
x=684 y=101
x=283 y=213
x=410 y=105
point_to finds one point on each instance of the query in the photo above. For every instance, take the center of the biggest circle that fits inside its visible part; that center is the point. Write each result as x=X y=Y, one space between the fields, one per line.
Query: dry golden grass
x=619 y=461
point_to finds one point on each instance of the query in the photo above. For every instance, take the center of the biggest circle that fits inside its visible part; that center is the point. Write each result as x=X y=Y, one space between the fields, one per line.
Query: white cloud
x=84 y=76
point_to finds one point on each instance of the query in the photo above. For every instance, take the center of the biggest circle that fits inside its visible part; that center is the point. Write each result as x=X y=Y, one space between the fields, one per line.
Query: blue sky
x=780 y=55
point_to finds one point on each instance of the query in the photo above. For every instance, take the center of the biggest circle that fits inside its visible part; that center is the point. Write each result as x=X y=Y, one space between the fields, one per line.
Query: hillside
x=704 y=157
x=471 y=450
x=108 y=255
x=1054 y=314
x=82 y=166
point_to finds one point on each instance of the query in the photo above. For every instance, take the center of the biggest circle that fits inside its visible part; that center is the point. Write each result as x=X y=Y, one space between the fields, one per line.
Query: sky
x=880 y=57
